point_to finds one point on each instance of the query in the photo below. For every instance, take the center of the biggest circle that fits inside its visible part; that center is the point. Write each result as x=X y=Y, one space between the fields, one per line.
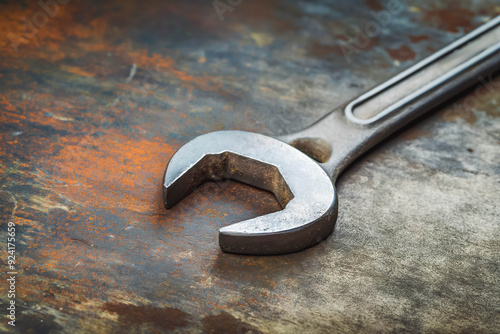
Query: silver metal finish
x=419 y=66
x=304 y=187
x=301 y=186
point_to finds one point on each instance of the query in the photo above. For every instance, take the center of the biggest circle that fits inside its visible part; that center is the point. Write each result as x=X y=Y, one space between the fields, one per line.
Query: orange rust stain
x=417 y=39
x=59 y=259
x=374 y=5
x=168 y=67
x=24 y=37
x=342 y=37
x=76 y=70
x=227 y=323
x=454 y=113
x=403 y=53
x=254 y=15
x=41 y=109
x=35 y=288
x=113 y=171
x=7 y=105
x=413 y=134
x=322 y=50
x=484 y=97
x=49 y=42
x=452 y=18
x=166 y=318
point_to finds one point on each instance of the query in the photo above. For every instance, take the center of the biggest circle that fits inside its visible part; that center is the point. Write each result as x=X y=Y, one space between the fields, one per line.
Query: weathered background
x=95 y=98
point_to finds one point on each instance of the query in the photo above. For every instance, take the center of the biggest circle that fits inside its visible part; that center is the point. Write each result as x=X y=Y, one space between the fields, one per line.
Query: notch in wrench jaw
x=305 y=187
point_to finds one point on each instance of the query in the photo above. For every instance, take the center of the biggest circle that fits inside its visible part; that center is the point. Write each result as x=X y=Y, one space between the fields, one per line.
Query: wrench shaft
x=362 y=123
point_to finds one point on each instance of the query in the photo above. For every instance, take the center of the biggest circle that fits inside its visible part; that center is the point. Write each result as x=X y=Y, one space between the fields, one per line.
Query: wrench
x=301 y=168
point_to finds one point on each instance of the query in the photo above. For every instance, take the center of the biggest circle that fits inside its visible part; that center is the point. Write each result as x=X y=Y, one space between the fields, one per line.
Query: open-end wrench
x=284 y=165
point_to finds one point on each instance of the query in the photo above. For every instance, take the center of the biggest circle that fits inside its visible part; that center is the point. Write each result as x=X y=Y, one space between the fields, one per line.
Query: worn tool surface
x=95 y=99
x=304 y=184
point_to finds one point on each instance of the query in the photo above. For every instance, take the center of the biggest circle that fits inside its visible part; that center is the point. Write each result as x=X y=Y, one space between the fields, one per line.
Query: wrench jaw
x=301 y=186
x=222 y=166
x=245 y=238
x=209 y=167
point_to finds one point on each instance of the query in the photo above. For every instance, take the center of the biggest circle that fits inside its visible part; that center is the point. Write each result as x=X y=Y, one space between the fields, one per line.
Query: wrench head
x=303 y=189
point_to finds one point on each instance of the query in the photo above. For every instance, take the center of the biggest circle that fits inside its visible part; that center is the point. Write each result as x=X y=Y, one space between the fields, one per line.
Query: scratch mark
x=60 y=118
x=133 y=70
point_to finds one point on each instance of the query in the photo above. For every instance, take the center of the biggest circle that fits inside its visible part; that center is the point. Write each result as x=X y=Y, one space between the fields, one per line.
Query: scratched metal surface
x=86 y=135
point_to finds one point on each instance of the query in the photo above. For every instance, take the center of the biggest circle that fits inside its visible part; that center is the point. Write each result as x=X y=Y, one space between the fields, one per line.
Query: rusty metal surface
x=95 y=99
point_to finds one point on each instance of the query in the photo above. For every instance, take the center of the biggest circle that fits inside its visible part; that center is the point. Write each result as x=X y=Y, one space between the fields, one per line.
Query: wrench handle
x=370 y=118
x=427 y=75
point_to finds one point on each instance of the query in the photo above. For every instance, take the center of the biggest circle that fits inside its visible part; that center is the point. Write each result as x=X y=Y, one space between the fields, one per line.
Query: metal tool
x=305 y=187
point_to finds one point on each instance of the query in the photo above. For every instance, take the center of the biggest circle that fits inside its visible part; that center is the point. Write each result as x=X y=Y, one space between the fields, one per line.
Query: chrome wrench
x=301 y=168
